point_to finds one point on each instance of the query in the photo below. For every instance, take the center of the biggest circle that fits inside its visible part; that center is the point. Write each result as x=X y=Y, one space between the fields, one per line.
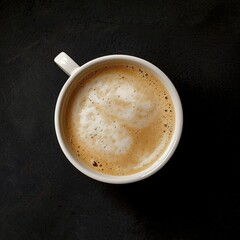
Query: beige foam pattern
x=119 y=119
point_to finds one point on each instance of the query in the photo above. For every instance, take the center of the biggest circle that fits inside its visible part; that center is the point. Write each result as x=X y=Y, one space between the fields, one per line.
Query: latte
x=119 y=119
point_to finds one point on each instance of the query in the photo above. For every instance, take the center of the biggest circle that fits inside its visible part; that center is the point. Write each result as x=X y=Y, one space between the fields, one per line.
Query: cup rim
x=158 y=164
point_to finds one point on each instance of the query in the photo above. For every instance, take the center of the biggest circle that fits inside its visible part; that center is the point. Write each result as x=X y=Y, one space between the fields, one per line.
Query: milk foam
x=144 y=160
x=100 y=134
x=108 y=110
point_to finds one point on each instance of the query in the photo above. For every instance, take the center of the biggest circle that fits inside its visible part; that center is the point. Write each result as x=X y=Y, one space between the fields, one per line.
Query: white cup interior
x=60 y=110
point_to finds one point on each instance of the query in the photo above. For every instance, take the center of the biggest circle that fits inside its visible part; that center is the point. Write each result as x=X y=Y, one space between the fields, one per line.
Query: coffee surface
x=119 y=119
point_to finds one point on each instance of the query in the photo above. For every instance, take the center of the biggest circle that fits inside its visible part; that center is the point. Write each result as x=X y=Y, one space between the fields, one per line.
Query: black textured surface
x=195 y=196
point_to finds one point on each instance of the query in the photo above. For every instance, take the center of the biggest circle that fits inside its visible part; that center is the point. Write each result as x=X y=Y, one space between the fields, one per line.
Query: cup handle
x=66 y=63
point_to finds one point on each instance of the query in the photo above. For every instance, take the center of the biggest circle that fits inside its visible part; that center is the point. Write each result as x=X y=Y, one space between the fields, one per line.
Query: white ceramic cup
x=74 y=71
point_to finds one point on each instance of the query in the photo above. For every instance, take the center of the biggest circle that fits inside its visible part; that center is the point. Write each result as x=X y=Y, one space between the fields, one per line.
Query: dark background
x=195 y=196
